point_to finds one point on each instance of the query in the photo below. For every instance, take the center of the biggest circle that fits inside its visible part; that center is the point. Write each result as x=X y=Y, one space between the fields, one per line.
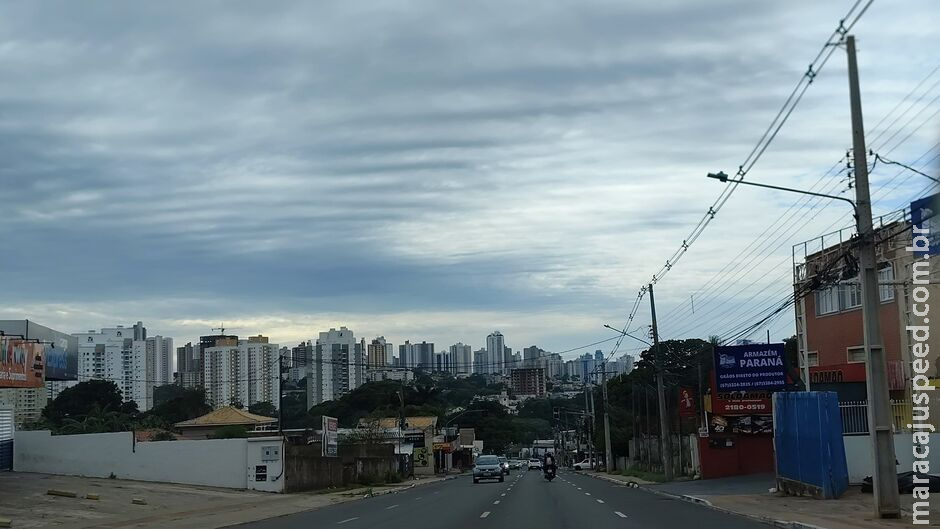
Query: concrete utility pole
x=589 y=420
x=609 y=454
x=884 y=480
x=666 y=441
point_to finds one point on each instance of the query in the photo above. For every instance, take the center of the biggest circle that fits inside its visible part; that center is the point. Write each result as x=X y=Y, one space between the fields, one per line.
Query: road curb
x=782 y=524
x=409 y=487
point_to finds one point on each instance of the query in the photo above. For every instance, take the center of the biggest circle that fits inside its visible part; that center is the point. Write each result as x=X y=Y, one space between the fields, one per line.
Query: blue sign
x=925 y=234
x=57 y=364
x=752 y=367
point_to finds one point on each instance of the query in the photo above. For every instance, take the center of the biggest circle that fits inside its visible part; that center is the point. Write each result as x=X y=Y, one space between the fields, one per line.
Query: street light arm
x=721 y=176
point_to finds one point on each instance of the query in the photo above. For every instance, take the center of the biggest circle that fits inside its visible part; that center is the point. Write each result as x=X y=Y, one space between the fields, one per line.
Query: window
x=827 y=301
x=812 y=359
x=851 y=295
x=857 y=354
x=886 y=275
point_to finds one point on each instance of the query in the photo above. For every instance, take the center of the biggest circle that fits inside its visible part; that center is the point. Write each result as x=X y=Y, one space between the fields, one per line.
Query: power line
x=783 y=114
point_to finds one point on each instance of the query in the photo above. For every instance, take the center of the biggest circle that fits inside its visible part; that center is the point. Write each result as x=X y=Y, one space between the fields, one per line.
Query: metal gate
x=6 y=439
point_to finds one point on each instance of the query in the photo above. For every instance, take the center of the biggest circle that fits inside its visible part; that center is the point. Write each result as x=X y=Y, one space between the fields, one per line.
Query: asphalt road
x=524 y=500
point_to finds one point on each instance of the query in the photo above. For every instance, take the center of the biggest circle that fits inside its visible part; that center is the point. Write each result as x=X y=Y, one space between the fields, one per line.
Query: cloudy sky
x=432 y=170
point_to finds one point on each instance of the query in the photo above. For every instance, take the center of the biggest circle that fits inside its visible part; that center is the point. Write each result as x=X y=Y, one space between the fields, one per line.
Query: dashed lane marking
x=484 y=515
x=620 y=514
x=600 y=501
x=391 y=507
x=496 y=502
x=587 y=493
x=503 y=494
x=349 y=520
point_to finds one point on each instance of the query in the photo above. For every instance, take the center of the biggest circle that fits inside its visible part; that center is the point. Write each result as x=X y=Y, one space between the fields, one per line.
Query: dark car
x=488 y=467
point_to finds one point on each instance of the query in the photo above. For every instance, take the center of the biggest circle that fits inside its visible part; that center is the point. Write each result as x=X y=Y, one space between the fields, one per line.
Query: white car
x=585 y=465
x=535 y=463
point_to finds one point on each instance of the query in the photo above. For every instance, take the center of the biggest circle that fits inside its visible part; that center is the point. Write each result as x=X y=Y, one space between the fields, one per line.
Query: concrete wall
x=307 y=469
x=216 y=463
x=858 y=454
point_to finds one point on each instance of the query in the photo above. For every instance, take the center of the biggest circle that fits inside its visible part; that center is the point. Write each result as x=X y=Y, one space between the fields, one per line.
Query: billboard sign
x=686 y=402
x=751 y=367
x=330 y=437
x=57 y=364
x=923 y=218
x=22 y=363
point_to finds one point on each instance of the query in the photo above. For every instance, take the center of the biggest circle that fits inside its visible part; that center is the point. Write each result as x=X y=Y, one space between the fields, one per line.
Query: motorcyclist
x=548 y=464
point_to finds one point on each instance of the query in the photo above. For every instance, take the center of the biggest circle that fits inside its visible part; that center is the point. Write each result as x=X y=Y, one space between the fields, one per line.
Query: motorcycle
x=550 y=473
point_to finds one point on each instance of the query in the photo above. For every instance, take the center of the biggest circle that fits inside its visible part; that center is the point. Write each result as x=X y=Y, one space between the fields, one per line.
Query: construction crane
x=220 y=328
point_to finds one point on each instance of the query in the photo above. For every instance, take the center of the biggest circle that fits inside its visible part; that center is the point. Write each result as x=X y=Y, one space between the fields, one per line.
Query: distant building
x=480 y=358
x=204 y=427
x=129 y=358
x=379 y=353
x=461 y=359
x=337 y=366
x=495 y=353
x=528 y=382
x=245 y=373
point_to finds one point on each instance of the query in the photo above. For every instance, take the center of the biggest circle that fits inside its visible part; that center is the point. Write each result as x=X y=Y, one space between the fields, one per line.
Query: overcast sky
x=430 y=170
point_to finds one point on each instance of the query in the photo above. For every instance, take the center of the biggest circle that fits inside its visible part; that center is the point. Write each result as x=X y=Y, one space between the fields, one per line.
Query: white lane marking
x=620 y=514
x=587 y=493
x=579 y=488
x=600 y=501
x=391 y=507
x=349 y=520
x=496 y=502
x=419 y=498
x=484 y=515
x=503 y=495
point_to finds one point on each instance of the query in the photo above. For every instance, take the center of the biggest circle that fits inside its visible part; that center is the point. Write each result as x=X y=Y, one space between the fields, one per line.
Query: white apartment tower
x=337 y=366
x=128 y=357
x=242 y=372
x=496 y=354
x=461 y=359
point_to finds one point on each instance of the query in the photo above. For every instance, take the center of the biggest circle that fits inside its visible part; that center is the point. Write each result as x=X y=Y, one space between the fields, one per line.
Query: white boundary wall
x=858 y=454
x=217 y=463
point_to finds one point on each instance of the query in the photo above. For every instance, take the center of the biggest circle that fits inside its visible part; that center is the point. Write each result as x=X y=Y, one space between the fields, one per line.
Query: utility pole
x=280 y=394
x=588 y=420
x=884 y=481
x=666 y=441
x=609 y=454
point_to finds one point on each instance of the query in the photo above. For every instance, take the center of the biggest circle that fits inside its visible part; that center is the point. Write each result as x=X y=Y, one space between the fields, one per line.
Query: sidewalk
x=166 y=505
x=749 y=496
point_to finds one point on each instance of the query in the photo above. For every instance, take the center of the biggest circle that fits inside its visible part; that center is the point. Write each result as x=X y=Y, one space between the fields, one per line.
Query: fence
x=855 y=417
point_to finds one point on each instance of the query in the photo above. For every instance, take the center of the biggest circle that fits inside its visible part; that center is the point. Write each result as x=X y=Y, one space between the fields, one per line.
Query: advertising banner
x=57 y=364
x=22 y=364
x=686 y=402
x=752 y=367
x=923 y=217
x=742 y=424
x=330 y=437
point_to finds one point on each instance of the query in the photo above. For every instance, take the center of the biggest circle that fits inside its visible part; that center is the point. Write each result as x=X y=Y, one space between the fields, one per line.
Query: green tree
x=263 y=408
x=191 y=403
x=232 y=431
x=80 y=400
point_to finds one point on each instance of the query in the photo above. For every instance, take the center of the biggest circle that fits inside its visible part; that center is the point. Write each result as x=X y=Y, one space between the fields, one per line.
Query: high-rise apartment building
x=379 y=353
x=461 y=359
x=242 y=373
x=417 y=355
x=336 y=367
x=496 y=353
x=480 y=362
x=128 y=357
x=528 y=382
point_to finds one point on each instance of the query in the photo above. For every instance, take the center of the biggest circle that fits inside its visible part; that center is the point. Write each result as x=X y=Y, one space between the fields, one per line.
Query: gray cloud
x=502 y=158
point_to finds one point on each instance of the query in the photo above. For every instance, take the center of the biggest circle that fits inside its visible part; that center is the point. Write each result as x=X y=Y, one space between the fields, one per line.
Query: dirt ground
x=24 y=500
